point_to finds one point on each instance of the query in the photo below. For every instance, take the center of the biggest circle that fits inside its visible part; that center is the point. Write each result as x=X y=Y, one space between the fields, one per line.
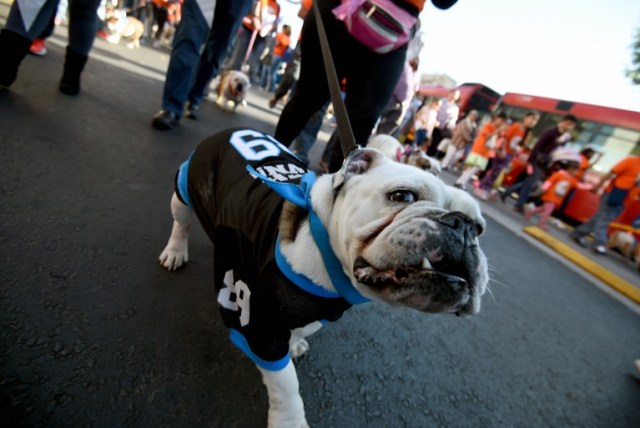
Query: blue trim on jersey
x=239 y=340
x=301 y=196
x=300 y=280
x=183 y=181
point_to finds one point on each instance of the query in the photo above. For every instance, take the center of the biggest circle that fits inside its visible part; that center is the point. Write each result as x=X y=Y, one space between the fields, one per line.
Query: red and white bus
x=473 y=96
x=616 y=132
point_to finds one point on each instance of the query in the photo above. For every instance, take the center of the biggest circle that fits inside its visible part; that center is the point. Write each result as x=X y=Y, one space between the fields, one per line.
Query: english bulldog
x=293 y=251
x=393 y=149
x=119 y=26
x=232 y=89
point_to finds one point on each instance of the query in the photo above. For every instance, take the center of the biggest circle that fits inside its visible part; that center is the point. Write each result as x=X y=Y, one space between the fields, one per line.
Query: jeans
x=225 y=25
x=599 y=223
x=309 y=134
x=187 y=42
x=83 y=22
x=525 y=186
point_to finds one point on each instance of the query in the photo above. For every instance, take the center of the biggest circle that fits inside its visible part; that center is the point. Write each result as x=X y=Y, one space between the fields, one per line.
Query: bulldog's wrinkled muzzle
x=438 y=270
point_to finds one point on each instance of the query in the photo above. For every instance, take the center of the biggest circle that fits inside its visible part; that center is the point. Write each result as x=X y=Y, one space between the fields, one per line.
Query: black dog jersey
x=240 y=215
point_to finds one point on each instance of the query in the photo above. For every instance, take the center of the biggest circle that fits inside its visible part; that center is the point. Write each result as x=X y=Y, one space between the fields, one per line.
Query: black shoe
x=518 y=209
x=165 y=120
x=73 y=66
x=192 y=111
x=503 y=197
x=14 y=48
x=580 y=240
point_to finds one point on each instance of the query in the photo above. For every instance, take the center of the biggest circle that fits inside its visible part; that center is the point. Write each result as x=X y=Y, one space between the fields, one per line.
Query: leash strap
x=347 y=140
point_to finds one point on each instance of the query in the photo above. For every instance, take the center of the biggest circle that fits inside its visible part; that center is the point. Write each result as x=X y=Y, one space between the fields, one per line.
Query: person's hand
x=529 y=169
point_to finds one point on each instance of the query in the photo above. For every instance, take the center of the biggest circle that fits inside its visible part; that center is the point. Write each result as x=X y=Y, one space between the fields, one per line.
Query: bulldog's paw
x=299 y=348
x=175 y=254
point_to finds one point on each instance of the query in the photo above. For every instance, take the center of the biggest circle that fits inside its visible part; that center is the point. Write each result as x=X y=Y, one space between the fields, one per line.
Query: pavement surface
x=93 y=332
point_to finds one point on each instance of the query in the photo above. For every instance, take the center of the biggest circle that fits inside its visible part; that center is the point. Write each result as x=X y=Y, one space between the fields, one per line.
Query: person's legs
x=184 y=57
x=527 y=187
x=309 y=134
x=273 y=73
x=17 y=35
x=601 y=223
x=311 y=89
x=466 y=175
x=226 y=21
x=546 y=210
x=448 y=157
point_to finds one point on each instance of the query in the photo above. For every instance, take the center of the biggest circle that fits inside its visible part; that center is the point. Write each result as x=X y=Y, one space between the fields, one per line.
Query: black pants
x=371 y=78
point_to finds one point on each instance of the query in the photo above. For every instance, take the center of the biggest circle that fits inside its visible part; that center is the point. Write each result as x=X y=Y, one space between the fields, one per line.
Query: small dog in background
x=231 y=91
x=625 y=243
x=120 y=26
x=392 y=149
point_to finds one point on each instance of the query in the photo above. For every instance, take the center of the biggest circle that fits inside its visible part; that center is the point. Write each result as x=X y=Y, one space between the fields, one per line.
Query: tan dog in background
x=232 y=90
x=119 y=26
x=626 y=244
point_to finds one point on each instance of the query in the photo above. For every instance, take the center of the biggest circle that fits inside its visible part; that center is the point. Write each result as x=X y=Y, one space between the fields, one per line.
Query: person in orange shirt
x=483 y=148
x=556 y=188
x=622 y=178
x=513 y=138
x=589 y=155
x=283 y=39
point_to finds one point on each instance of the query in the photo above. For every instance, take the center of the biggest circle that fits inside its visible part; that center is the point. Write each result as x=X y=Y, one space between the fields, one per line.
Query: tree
x=634 y=72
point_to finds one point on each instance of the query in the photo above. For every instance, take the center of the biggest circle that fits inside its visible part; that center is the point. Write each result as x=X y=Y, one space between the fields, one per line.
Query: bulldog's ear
x=358 y=162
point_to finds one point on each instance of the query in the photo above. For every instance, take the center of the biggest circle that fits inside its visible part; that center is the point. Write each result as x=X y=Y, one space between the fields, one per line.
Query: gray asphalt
x=93 y=332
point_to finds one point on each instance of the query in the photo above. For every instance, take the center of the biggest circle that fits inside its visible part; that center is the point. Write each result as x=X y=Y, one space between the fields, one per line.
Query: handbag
x=380 y=25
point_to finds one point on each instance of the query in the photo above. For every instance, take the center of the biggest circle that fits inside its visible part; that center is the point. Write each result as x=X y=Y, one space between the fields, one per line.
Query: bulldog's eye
x=402 y=196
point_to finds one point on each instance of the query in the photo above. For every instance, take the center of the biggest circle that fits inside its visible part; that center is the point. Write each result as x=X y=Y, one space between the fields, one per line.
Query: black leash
x=347 y=140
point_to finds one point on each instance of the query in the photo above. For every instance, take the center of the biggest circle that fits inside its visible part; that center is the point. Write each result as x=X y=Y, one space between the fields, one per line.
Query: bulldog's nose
x=459 y=224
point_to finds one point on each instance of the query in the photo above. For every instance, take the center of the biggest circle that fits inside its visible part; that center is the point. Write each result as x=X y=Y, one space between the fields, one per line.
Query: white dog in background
x=392 y=149
x=231 y=90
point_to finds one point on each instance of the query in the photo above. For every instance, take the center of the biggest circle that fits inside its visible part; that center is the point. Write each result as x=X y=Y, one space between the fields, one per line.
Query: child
x=555 y=189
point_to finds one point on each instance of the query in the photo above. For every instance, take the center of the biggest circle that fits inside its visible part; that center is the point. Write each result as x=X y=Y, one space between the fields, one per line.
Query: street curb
x=609 y=278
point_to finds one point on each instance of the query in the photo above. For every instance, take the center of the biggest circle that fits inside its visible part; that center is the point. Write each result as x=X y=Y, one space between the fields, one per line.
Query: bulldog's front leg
x=286 y=409
x=176 y=253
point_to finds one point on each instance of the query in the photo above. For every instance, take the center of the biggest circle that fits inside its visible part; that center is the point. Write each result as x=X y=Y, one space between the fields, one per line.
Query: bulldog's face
x=406 y=238
x=238 y=84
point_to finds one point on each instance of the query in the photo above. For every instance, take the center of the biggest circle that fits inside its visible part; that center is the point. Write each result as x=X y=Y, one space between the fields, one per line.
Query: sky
x=576 y=50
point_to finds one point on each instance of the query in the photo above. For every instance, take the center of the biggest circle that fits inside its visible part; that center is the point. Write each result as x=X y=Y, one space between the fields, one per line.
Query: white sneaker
x=600 y=249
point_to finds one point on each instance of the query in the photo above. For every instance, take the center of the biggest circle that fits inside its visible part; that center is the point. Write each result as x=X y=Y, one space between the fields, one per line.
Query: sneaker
x=38 y=47
x=600 y=249
x=165 y=120
x=580 y=240
x=192 y=111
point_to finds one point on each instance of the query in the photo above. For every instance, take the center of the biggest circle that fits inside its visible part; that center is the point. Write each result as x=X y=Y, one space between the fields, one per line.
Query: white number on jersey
x=255 y=146
x=235 y=296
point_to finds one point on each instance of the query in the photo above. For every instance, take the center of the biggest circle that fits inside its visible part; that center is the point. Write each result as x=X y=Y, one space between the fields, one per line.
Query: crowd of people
x=551 y=167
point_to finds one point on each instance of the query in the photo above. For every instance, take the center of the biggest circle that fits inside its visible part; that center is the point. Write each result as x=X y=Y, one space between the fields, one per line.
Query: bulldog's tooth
x=426 y=264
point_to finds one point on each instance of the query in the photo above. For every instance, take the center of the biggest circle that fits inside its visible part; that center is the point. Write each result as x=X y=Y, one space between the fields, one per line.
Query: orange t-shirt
x=480 y=143
x=513 y=137
x=282 y=43
x=627 y=172
x=559 y=185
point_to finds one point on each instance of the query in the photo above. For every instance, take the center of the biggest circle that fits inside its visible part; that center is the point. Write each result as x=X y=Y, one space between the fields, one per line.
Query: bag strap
x=347 y=140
